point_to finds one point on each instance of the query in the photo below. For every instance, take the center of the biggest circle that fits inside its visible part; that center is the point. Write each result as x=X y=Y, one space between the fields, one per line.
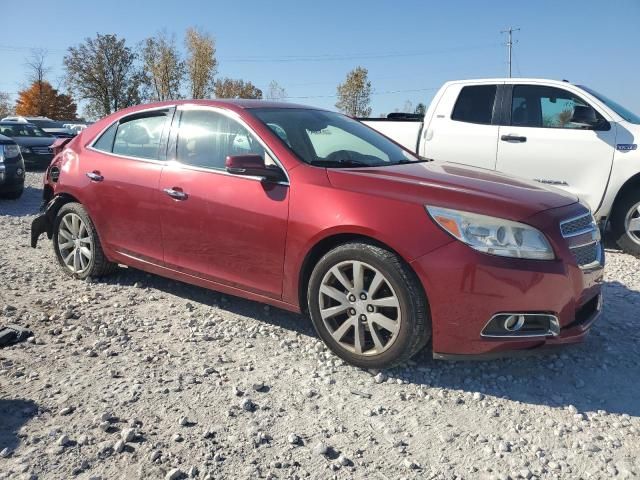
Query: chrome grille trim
x=587 y=254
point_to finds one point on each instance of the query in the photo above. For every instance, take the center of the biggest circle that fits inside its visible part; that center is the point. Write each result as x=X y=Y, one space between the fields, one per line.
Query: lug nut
x=363 y=318
x=352 y=312
x=363 y=296
x=369 y=308
x=352 y=298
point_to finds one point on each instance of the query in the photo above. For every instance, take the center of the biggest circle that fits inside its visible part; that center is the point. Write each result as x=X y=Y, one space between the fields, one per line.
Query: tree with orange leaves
x=41 y=99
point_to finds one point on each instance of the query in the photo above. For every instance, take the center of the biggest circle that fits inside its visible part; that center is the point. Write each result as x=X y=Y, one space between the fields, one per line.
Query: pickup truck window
x=475 y=104
x=332 y=140
x=628 y=115
x=546 y=107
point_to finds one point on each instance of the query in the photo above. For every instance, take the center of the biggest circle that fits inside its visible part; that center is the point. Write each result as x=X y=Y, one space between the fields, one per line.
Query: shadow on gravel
x=13 y=415
x=27 y=204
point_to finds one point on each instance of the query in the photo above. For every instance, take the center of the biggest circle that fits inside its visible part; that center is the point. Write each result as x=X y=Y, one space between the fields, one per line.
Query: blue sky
x=410 y=47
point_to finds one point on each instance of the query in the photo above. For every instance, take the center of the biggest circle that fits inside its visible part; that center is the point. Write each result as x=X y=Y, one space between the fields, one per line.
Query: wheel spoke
x=385 y=322
x=76 y=260
x=67 y=224
x=67 y=260
x=334 y=293
x=85 y=252
x=64 y=233
x=344 y=281
x=75 y=224
x=634 y=225
x=86 y=240
x=376 y=338
x=66 y=245
x=375 y=284
x=385 y=302
x=358 y=336
x=358 y=277
x=342 y=329
x=83 y=261
x=333 y=311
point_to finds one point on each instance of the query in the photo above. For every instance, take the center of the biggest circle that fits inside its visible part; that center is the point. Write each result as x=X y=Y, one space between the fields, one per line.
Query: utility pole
x=510 y=31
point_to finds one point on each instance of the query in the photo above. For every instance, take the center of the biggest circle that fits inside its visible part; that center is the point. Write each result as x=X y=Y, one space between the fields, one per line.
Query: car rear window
x=475 y=104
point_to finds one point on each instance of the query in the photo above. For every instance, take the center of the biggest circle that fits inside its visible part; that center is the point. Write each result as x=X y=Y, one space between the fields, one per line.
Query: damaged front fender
x=43 y=223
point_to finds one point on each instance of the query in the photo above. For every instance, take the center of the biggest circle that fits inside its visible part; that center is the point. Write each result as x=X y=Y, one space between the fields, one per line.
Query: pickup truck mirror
x=254 y=166
x=584 y=116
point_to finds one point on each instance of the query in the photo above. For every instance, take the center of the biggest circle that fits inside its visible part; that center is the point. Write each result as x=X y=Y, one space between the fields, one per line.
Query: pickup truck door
x=540 y=142
x=463 y=128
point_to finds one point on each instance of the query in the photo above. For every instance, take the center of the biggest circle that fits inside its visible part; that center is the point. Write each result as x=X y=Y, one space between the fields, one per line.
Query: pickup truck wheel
x=625 y=223
x=368 y=306
x=77 y=245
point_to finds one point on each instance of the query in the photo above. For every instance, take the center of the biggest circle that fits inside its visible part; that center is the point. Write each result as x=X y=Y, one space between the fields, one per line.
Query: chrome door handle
x=95 y=177
x=177 y=194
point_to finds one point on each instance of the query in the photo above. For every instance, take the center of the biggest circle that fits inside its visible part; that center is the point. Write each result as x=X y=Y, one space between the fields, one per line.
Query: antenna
x=510 y=42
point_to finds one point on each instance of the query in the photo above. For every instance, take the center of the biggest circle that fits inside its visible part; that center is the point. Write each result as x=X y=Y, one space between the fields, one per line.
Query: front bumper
x=466 y=288
x=39 y=161
x=11 y=177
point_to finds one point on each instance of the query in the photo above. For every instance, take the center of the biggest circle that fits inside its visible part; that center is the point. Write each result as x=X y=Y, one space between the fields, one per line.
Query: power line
x=510 y=31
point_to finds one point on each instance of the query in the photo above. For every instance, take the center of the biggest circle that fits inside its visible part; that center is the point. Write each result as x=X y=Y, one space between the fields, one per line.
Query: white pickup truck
x=554 y=132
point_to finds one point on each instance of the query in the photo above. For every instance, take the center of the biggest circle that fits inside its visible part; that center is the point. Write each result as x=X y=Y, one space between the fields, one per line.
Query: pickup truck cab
x=553 y=132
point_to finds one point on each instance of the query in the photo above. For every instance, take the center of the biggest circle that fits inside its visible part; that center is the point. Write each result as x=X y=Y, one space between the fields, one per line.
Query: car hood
x=34 y=141
x=454 y=186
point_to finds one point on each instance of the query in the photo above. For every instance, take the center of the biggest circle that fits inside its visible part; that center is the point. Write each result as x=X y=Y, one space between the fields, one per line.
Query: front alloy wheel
x=368 y=306
x=632 y=223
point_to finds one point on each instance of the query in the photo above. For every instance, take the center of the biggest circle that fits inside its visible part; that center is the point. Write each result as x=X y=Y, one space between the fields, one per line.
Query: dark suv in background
x=11 y=169
x=35 y=143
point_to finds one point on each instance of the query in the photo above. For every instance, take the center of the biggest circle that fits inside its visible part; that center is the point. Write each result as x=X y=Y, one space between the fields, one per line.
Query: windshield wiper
x=339 y=163
x=405 y=161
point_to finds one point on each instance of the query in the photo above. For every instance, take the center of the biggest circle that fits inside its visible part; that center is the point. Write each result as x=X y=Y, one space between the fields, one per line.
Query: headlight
x=25 y=149
x=495 y=236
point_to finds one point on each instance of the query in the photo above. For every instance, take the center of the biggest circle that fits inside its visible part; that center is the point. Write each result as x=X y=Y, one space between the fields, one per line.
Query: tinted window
x=105 y=142
x=140 y=136
x=22 y=130
x=475 y=104
x=540 y=106
x=207 y=138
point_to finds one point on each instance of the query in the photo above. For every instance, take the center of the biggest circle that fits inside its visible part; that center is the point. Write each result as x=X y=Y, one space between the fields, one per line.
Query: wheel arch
x=631 y=182
x=328 y=243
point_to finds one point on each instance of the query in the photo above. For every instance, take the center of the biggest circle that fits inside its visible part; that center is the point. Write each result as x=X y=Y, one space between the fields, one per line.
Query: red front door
x=225 y=228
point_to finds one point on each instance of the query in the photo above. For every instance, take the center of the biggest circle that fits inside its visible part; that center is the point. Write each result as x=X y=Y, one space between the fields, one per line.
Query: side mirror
x=253 y=165
x=584 y=116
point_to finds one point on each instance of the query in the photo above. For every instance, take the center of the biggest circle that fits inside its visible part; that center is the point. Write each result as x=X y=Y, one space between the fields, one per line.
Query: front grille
x=577 y=226
x=587 y=254
x=42 y=150
x=583 y=237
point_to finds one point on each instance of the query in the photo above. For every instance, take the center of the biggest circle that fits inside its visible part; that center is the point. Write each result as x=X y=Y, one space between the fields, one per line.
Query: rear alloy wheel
x=77 y=245
x=368 y=306
x=625 y=223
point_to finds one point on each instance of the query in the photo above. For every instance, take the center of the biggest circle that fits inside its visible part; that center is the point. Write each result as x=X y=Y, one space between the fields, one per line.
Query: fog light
x=514 y=323
x=521 y=325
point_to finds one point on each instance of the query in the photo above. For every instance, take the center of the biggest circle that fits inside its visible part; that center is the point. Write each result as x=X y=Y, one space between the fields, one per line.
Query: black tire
x=16 y=194
x=98 y=265
x=415 y=328
x=627 y=241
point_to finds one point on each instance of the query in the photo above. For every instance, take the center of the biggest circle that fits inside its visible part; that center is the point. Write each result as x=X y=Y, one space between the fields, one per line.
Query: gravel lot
x=136 y=376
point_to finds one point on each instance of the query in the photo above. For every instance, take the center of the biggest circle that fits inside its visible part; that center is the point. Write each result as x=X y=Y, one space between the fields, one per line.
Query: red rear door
x=226 y=228
x=121 y=173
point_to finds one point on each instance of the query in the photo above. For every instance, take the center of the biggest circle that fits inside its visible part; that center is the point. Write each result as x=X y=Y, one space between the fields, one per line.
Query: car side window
x=206 y=138
x=105 y=142
x=475 y=104
x=140 y=136
x=544 y=107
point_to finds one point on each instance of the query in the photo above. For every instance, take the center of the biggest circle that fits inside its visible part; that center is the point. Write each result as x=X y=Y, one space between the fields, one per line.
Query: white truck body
x=536 y=129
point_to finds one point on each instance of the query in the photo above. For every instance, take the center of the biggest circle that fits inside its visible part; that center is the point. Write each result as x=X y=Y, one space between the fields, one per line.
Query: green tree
x=163 y=68
x=231 y=88
x=354 y=95
x=103 y=72
x=421 y=109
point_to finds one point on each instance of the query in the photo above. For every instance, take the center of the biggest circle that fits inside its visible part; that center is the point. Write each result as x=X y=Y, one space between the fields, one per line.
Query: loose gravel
x=136 y=376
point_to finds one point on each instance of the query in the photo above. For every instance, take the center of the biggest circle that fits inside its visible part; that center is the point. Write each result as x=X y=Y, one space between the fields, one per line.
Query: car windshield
x=21 y=130
x=332 y=140
x=628 y=115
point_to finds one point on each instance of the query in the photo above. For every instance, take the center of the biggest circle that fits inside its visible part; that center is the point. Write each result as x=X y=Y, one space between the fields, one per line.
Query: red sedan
x=309 y=210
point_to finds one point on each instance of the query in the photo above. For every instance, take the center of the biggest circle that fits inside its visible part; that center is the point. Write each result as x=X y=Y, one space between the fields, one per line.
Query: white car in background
x=553 y=132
